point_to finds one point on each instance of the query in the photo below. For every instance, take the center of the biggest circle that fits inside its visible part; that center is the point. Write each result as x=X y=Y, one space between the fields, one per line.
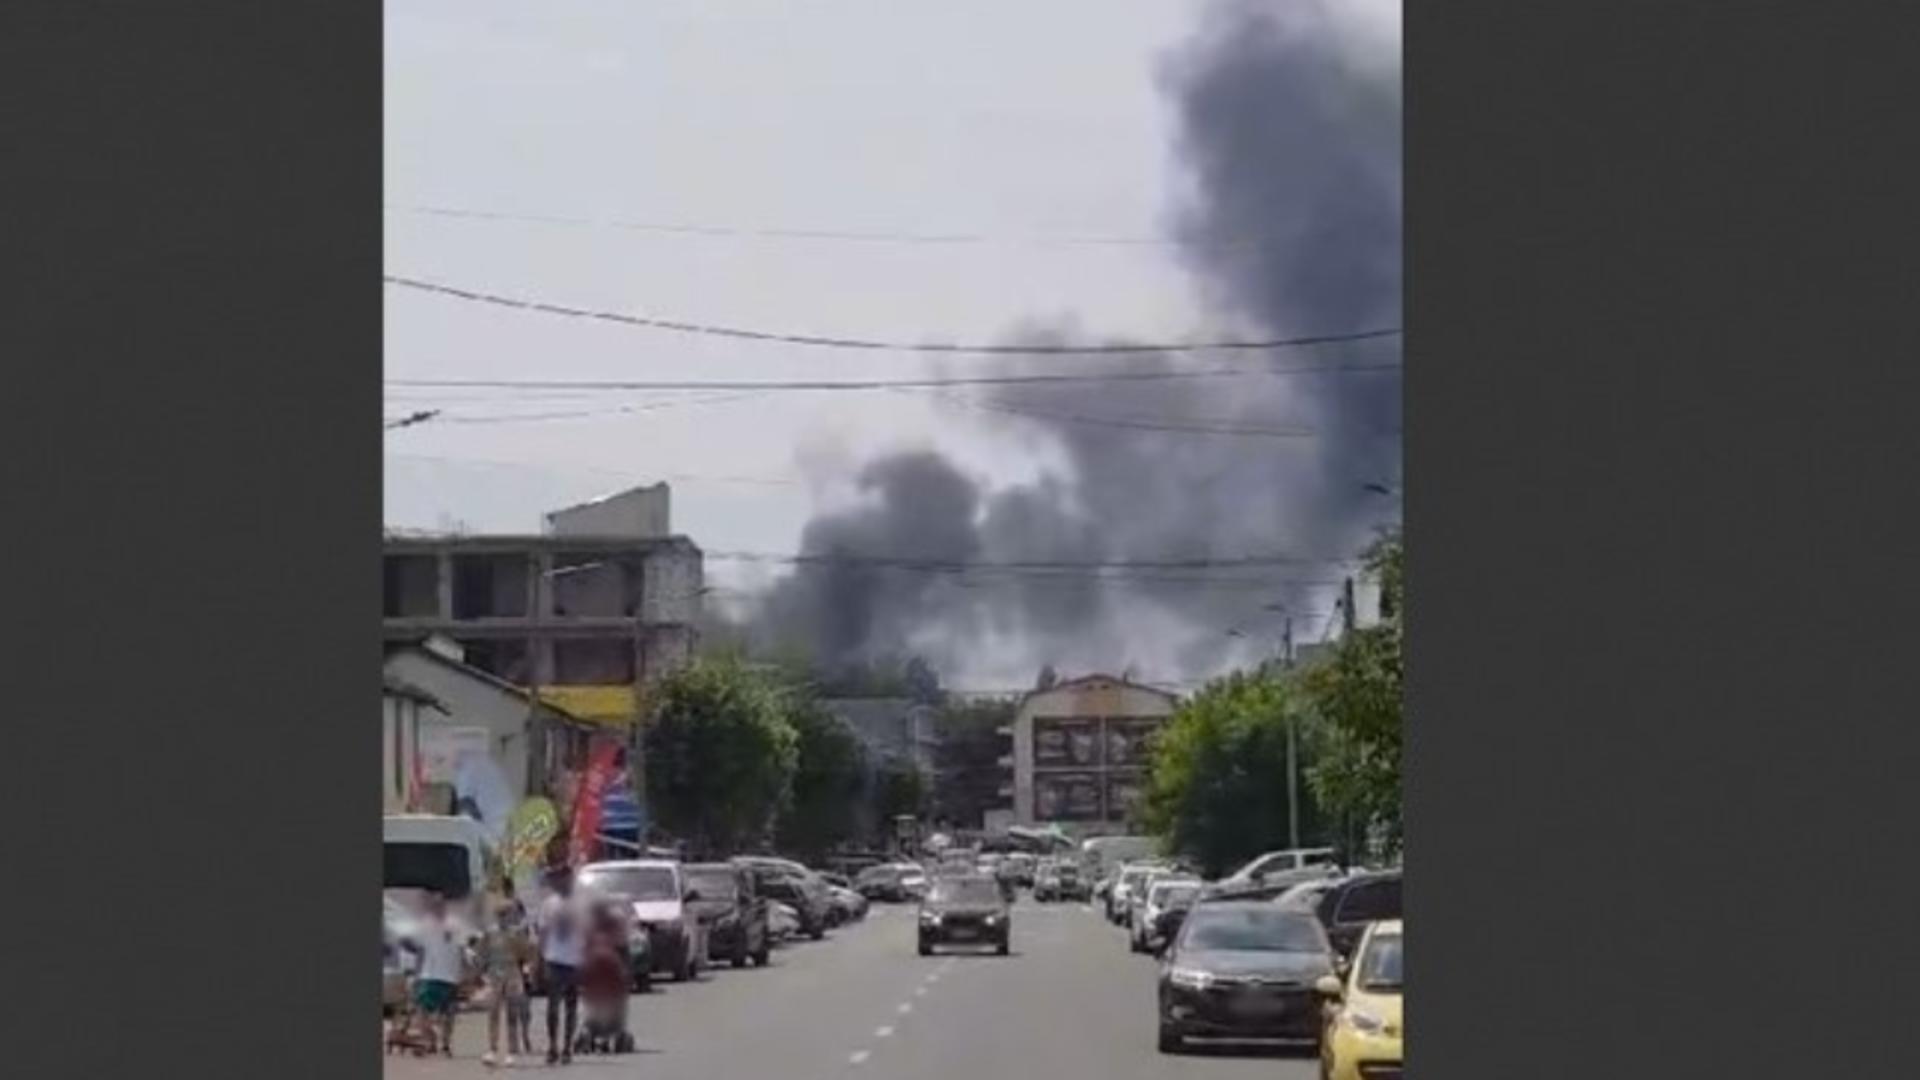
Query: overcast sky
x=1024 y=123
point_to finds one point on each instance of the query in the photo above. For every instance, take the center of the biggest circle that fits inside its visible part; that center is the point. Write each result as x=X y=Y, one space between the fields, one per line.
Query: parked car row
x=1290 y=948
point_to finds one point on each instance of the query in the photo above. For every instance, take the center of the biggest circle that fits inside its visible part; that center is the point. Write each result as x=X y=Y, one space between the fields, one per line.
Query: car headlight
x=931 y=918
x=1191 y=978
x=992 y=920
x=1364 y=1022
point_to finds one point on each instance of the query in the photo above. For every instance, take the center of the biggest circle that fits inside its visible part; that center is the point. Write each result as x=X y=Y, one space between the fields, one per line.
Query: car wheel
x=1171 y=1041
x=740 y=954
x=817 y=933
x=926 y=948
x=1006 y=946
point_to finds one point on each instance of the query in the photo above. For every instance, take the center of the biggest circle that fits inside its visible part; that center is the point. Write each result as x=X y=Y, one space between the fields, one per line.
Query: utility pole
x=1293 y=772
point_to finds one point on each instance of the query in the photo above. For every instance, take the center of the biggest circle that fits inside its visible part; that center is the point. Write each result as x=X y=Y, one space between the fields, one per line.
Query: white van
x=437 y=853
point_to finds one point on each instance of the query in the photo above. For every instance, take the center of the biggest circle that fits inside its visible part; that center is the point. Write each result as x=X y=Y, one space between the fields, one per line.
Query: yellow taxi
x=1364 y=1024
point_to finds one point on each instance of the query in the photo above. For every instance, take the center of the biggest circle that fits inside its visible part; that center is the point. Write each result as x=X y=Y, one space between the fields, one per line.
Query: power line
x=783 y=481
x=882 y=384
x=1192 y=427
x=842 y=235
x=577 y=414
x=952 y=565
x=740 y=333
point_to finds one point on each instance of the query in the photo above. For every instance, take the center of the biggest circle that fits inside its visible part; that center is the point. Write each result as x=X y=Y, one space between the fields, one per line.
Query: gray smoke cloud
x=1291 y=226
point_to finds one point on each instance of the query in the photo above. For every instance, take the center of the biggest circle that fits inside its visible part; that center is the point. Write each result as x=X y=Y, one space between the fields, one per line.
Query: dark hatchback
x=1243 y=970
x=965 y=910
x=723 y=897
x=1347 y=908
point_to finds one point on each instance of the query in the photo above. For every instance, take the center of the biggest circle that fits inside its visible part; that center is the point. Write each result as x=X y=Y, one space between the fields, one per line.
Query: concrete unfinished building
x=568 y=609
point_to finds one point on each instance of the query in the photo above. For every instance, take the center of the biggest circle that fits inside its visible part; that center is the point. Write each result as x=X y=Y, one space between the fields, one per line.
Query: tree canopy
x=720 y=754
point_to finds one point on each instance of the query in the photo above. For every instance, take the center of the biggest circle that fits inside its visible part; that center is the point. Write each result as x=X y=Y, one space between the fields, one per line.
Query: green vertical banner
x=532 y=825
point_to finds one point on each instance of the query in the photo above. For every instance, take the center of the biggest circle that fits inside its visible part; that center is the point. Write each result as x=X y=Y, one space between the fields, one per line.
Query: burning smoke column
x=1289 y=144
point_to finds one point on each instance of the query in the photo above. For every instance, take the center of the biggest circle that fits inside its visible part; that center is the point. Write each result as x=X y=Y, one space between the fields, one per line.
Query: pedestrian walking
x=505 y=952
x=442 y=968
x=563 y=937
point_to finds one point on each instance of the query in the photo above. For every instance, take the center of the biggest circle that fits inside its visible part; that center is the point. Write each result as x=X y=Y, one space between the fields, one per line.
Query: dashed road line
x=857 y=1057
x=882 y=1032
x=905 y=1008
x=919 y=991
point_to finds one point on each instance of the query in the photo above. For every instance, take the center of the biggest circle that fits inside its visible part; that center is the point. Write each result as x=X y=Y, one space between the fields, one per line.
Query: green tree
x=720 y=755
x=1355 y=698
x=1217 y=777
x=829 y=780
x=898 y=788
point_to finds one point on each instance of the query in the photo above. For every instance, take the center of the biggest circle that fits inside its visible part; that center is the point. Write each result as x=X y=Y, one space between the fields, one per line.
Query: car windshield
x=441 y=868
x=964 y=891
x=632 y=882
x=716 y=884
x=1380 y=963
x=877 y=874
x=1251 y=929
x=1174 y=893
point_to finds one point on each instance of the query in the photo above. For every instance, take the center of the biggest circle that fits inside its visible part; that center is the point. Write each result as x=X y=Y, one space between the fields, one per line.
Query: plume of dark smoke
x=1292 y=225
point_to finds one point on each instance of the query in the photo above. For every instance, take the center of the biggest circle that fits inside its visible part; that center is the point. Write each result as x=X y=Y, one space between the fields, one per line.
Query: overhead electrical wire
x=1133 y=423
x=956 y=565
x=870 y=344
x=778 y=385
x=865 y=236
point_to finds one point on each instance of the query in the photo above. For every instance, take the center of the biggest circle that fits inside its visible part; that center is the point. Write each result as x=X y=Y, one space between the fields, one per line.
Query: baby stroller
x=604 y=980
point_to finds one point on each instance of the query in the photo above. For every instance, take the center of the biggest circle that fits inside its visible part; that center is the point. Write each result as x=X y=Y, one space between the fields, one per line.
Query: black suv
x=723 y=897
x=1347 y=908
x=965 y=910
x=775 y=879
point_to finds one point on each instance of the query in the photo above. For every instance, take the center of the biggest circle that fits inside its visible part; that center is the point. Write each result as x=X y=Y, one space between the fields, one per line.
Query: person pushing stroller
x=604 y=981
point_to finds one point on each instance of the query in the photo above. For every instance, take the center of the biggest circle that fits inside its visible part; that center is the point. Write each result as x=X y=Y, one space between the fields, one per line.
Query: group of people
x=571 y=943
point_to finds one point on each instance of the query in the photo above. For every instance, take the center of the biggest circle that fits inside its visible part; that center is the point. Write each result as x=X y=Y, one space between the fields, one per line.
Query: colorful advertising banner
x=602 y=767
x=533 y=825
x=1071 y=743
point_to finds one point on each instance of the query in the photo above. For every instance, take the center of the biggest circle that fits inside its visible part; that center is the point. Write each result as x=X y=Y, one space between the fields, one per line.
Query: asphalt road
x=1070 y=1003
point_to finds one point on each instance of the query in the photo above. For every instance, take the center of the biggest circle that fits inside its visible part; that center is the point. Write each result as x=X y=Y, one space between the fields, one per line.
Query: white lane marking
x=1088 y=908
x=905 y=1008
x=882 y=1032
x=919 y=991
x=857 y=1057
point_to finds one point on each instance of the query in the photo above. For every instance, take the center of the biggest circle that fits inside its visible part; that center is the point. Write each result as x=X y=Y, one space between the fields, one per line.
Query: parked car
x=735 y=915
x=1020 y=866
x=1273 y=862
x=1347 y=907
x=892 y=882
x=1119 y=896
x=782 y=920
x=968 y=910
x=846 y=904
x=1135 y=915
x=1167 y=895
x=1246 y=969
x=1046 y=882
x=396 y=963
x=656 y=891
x=1071 y=883
x=794 y=885
x=1272 y=885
x=1305 y=895
x=1363 y=1031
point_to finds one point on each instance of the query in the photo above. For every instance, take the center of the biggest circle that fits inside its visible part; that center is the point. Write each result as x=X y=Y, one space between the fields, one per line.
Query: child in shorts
x=504 y=953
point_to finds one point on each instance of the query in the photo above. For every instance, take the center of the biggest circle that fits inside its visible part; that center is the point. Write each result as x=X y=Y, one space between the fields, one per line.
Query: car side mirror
x=1328 y=987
